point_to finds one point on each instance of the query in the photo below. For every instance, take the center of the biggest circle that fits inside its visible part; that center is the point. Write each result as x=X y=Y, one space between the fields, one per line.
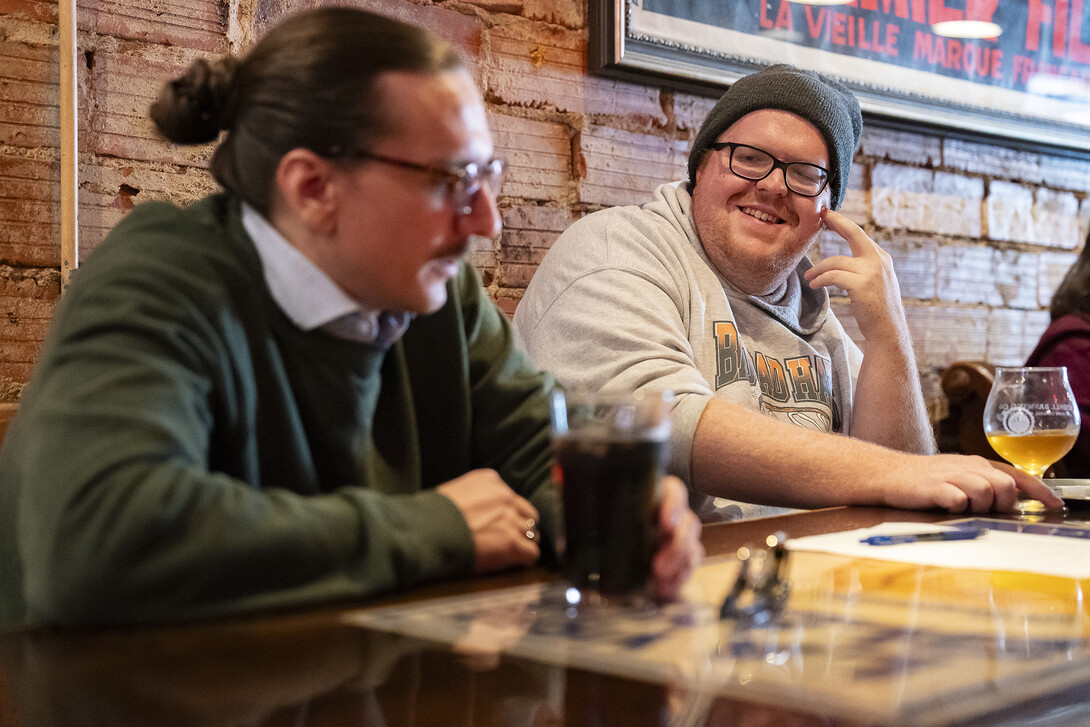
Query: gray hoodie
x=626 y=299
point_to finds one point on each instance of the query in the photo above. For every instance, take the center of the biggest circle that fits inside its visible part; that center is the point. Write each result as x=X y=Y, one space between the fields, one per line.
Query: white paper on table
x=995 y=550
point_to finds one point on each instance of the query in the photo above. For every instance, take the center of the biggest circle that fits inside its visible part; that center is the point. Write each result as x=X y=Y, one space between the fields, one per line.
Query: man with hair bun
x=294 y=390
x=707 y=290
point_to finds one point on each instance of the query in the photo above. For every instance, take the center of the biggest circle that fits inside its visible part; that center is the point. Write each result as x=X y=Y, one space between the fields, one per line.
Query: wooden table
x=313 y=668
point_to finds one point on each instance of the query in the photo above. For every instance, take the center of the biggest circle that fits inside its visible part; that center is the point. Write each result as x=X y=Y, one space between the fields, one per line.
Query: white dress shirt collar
x=305 y=293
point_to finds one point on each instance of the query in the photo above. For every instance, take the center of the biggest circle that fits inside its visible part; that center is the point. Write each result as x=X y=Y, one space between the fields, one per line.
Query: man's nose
x=484 y=215
x=775 y=181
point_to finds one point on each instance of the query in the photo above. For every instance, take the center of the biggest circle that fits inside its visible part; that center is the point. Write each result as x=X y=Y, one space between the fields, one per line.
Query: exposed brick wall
x=124 y=52
x=980 y=234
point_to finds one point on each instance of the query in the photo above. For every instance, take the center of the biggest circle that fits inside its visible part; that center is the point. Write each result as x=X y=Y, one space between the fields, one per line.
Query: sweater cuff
x=429 y=539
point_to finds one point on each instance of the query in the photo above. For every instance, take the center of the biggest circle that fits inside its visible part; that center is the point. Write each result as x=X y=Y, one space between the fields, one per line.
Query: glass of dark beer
x=611 y=452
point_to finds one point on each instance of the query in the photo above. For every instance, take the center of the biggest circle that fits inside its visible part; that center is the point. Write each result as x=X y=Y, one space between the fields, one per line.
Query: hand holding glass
x=1031 y=420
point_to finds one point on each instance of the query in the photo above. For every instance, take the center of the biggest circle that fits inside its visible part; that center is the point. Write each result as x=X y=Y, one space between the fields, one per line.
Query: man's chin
x=759 y=274
x=431 y=299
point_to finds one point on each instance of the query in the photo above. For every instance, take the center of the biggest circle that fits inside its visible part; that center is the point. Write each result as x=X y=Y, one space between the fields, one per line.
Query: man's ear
x=700 y=167
x=305 y=182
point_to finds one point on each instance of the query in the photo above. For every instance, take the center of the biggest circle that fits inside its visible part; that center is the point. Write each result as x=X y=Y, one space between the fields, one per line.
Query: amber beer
x=610 y=495
x=1031 y=420
x=1034 y=452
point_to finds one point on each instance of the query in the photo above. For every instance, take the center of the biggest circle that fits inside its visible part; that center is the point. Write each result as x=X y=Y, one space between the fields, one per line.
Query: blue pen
x=918 y=537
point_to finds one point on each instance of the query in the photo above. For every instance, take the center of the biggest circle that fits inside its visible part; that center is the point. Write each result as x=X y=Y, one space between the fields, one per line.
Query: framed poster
x=1030 y=86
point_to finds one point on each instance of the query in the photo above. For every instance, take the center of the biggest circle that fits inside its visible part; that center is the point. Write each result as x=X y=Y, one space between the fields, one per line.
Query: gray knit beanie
x=825 y=103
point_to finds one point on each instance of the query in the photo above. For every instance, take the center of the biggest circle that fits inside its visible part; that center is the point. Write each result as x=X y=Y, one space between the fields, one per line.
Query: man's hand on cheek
x=868 y=278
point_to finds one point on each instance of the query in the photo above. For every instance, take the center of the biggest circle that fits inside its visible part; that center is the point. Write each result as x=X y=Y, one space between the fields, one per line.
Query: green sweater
x=183 y=450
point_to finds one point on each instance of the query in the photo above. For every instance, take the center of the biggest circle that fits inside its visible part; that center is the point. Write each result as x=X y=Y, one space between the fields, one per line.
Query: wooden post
x=69 y=143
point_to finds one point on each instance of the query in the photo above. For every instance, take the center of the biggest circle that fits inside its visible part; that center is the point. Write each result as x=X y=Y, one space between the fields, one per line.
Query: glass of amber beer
x=610 y=452
x=1031 y=420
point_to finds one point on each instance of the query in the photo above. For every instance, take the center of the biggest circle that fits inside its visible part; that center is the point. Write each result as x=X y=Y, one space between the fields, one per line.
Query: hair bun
x=194 y=108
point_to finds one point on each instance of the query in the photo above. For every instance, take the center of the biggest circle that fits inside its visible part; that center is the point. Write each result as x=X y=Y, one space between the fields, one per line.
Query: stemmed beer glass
x=1031 y=420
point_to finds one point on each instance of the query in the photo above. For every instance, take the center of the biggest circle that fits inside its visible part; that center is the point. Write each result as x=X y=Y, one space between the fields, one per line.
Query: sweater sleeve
x=119 y=518
x=510 y=430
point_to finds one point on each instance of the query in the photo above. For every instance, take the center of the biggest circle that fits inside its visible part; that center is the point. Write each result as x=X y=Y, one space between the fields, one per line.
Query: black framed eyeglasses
x=461 y=181
x=749 y=162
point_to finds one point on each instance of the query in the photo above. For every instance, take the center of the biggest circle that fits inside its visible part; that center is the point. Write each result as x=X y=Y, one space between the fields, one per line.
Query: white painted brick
x=914 y=259
x=1015 y=275
x=1051 y=269
x=900 y=146
x=890 y=206
x=1009 y=210
x=902 y=178
x=915 y=262
x=1012 y=335
x=690 y=112
x=942 y=335
x=973 y=274
x=624 y=167
x=1056 y=220
x=1066 y=172
x=1084 y=220
x=533 y=217
x=955 y=208
x=964 y=274
x=1044 y=216
x=538 y=155
x=917 y=199
x=855 y=205
x=545 y=68
x=529 y=232
x=992 y=160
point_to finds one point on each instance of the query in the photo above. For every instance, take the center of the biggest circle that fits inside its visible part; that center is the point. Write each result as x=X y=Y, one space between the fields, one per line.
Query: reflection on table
x=315 y=673
x=860 y=642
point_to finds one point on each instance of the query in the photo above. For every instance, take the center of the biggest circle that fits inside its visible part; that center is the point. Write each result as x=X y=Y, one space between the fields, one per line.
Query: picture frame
x=1029 y=88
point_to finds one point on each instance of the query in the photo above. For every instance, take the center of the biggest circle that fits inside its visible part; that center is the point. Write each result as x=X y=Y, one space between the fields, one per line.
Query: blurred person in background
x=1066 y=342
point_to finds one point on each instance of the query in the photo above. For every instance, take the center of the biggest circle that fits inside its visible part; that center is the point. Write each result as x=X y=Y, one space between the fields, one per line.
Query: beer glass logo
x=1018 y=420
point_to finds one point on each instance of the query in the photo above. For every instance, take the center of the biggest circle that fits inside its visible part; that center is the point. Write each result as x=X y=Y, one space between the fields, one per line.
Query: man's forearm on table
x=889 y=409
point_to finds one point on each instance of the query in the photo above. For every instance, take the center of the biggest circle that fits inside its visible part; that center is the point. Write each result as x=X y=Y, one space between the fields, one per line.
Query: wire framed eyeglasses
x=749 y=162
x=461 y=181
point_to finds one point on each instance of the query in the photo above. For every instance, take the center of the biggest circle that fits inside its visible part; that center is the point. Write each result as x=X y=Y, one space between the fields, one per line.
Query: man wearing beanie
x=706 y=290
